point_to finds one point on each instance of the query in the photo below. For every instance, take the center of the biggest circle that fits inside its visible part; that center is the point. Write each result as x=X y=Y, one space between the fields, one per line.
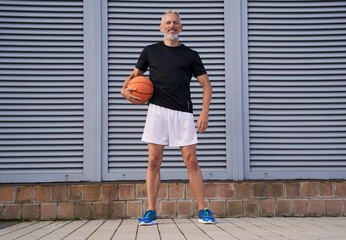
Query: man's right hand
x=126 y=92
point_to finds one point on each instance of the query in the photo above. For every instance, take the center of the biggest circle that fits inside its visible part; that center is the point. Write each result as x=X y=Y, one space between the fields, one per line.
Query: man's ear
x=181 y=28
x=161 y=28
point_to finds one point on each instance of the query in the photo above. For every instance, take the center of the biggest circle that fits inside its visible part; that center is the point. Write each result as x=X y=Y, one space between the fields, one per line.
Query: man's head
x=171 y=25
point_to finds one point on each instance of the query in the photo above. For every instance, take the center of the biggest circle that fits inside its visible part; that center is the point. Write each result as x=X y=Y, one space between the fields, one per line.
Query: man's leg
x=195 y=175
x=153 y=173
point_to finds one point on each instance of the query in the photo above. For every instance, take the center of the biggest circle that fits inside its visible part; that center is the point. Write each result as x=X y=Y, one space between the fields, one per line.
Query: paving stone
x=106 y=230
x=66 y=230
x=24 y=231
x=253 y=227
x=148 y=233
x=85 y=231
x=16 y=227
x=238 y=231
x=40 y=233
x=126 y=230
x=276 y=228
x=213 y=230
x=169 y=230
x=190 y=230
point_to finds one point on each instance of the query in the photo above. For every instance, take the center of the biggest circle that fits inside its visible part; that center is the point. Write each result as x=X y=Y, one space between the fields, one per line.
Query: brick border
x=175 y=199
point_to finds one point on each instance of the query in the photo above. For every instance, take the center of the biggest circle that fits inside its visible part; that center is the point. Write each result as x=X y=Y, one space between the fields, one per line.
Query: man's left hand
x=202 y=122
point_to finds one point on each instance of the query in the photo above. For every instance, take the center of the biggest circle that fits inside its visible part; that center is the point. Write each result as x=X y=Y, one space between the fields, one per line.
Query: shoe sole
x=209 y=222
x=147 y=224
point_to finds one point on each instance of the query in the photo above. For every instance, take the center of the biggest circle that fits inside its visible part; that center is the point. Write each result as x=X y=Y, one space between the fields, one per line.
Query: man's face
x=171 y=27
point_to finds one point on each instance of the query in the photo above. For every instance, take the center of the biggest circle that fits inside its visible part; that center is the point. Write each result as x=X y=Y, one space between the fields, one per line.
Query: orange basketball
x=144 y=88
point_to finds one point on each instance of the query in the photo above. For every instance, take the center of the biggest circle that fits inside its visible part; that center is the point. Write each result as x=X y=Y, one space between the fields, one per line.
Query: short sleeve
x=198 y=67
x=143 y=61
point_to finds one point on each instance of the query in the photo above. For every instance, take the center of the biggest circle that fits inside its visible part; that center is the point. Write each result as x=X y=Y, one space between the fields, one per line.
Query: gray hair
x=171 y=11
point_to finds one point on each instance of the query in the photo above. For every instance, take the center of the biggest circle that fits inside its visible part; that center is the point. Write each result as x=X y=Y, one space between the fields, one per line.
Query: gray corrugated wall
x=50 y=81
x=41 y=89
x=297 y=89
x=293 y=61
x=131 y=27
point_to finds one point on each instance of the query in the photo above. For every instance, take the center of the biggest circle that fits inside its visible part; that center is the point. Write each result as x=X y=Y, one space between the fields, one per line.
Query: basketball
x=144 y=88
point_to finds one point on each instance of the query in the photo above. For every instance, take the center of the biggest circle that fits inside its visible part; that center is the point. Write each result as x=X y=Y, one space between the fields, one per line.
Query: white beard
x=170 y=37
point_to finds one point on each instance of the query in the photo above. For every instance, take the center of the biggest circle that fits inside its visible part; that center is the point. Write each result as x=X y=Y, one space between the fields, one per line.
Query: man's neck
x=174 y=43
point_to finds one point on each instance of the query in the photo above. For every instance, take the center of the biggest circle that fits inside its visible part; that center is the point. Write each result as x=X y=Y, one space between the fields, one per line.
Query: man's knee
x=154 y=162
x=155 y=156
x=191 y=162
x=190 y=157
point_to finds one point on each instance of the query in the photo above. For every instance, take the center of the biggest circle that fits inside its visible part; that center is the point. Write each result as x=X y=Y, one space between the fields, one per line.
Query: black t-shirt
x=171 y=69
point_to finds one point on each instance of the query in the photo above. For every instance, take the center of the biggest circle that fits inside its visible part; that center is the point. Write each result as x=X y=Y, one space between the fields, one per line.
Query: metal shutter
x=132 y=26
x=297 y=88
x=41 y=90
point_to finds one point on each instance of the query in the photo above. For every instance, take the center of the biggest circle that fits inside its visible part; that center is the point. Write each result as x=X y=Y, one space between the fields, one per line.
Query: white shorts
x=168 y=127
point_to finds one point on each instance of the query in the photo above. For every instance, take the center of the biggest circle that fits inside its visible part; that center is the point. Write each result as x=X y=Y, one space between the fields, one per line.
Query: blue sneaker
x=206 y=216
x=149 y=218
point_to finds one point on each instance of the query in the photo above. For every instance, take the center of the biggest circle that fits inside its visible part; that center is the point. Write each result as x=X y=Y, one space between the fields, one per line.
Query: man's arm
x=126 y=92
x=202 y=121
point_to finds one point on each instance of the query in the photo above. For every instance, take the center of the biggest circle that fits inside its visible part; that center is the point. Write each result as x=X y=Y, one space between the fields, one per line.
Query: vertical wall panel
x=41 y=90
x=131 y=27
x=297 y=88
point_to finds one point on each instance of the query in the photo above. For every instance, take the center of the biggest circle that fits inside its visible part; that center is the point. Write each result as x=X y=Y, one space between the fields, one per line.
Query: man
x=169 y=118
